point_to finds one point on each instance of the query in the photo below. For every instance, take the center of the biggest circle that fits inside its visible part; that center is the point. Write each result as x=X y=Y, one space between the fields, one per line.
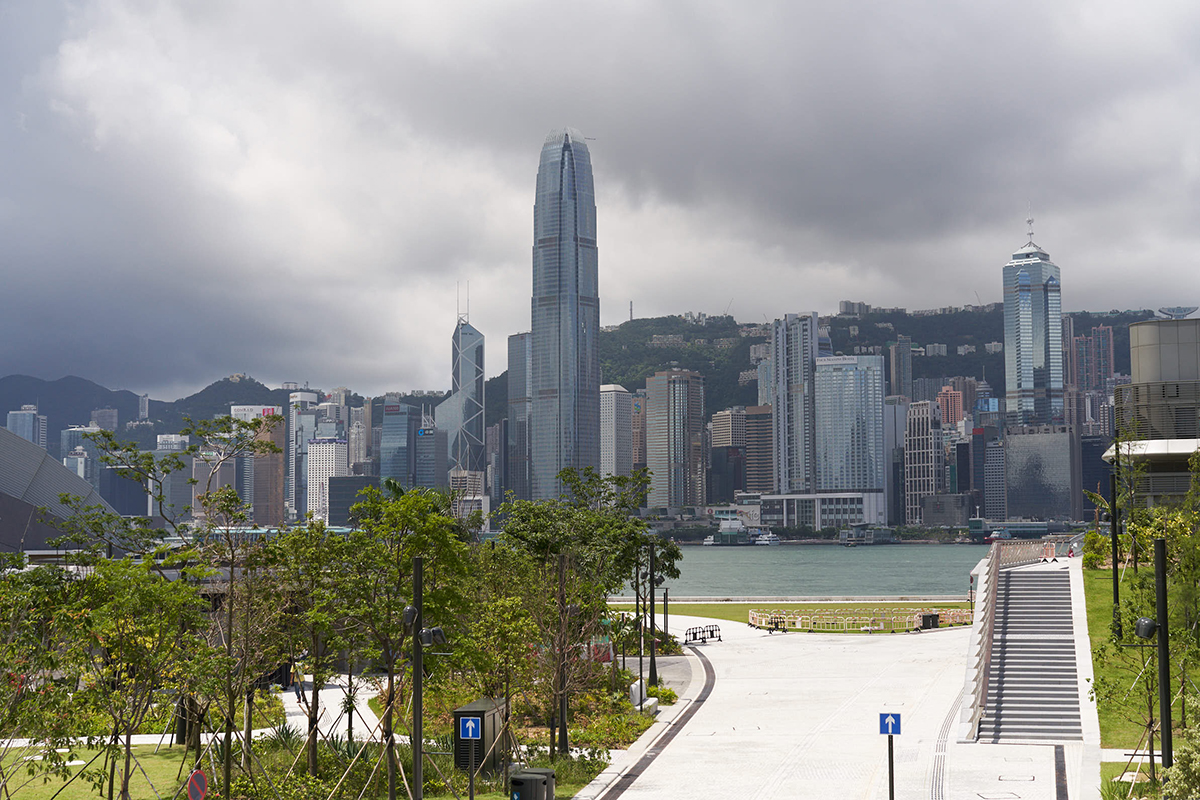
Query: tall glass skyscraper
x=461 y=414
x=1033 y=350
x=518 y=480
x=565 y=315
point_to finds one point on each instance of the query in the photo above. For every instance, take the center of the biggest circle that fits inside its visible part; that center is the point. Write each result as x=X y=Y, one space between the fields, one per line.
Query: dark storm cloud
x=298 y=191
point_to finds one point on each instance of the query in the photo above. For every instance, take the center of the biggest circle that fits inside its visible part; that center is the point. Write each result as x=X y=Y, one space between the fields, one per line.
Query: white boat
x=708 y=541
x=767 y=539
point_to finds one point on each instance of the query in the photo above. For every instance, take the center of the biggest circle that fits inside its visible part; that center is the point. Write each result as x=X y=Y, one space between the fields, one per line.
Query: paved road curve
x=797 y=716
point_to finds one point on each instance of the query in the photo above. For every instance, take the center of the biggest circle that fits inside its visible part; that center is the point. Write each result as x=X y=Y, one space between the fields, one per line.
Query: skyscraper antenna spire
x=1029 y=222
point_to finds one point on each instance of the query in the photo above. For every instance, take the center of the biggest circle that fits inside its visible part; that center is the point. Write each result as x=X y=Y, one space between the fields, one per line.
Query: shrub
x=665 y=694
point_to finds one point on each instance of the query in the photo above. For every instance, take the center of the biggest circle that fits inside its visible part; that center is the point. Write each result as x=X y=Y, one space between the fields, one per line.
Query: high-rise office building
x=760 y=454
x=1042 y=472
x=637 y=413
x=519 y=478
x=261 y=477
x=327 y=458
x=431 y=466
x=357 y=441
x=729 y=427
x=675 y=447
x=616 y=430
x=77 y=436
x=794 y=357
x=849 y=424
x=105 y=418
x=950 y=400
x=895 y=426
x=144 y=407
x=1033 y=352
x=565 y=313
x=900 y=362
x=297 y=445
x=397 y=445
x=461 y=414
x=924 y=457
x=29 y=425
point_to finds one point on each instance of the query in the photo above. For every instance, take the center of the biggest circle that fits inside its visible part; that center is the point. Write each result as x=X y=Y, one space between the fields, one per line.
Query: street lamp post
x=418 y=740
x=653 y=626
x=1114 y=527
x=1164 y=655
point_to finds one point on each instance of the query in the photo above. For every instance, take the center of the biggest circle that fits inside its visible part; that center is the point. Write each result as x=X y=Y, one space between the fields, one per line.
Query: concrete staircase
x=1033 y=686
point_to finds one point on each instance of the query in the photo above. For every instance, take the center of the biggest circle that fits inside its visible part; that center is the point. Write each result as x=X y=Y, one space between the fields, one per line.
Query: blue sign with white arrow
x=470 y=728
x=889 y=724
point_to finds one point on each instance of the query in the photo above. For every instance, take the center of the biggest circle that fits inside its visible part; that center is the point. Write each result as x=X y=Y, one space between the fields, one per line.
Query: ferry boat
x=766 y=538
x=734 y=533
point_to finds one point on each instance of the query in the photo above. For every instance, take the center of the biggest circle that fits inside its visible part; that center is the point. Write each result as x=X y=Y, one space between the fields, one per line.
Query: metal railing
x=1001 y=555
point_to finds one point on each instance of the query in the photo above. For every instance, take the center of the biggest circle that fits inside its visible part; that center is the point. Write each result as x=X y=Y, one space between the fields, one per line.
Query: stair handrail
x=1001 y=555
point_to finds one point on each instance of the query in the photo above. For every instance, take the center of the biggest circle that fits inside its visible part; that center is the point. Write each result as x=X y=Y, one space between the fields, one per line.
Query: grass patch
x=160 y=767
x=1116 y=729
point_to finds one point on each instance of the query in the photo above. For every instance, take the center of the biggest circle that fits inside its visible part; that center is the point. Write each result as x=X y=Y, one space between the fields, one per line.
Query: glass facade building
x=1033 y=351
x=675 y=450
x=565 y=315
x=461 y=414
x=518 y=479
x=397 y=445
x=849 y=429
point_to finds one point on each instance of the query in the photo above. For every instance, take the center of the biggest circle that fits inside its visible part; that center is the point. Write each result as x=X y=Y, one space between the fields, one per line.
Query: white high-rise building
x=616 y=430
x=793 y=363
x=299 y=431
x=849 y=424
x=327 y=458
x=924 y=457
x=357 y=440
x=729 y=428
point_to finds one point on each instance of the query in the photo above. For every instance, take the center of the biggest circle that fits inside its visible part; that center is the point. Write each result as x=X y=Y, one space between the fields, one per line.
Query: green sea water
x=825 y=570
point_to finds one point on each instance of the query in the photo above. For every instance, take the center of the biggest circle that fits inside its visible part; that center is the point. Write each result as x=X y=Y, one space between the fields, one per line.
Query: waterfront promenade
x=796 y=715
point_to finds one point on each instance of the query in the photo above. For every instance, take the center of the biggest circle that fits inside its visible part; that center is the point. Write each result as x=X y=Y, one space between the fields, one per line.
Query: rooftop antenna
x=631 y=311
x=463 y=316
x=1029 y=222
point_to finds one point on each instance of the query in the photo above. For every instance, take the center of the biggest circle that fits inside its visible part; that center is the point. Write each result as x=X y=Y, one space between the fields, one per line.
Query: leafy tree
x=378 y=580
x=306 y=562
x=36 y=639
x=138 y=640
x=582 y=548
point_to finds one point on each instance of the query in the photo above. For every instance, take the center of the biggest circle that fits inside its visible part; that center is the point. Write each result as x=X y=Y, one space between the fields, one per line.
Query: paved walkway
x=796 y=715
x=332 y=721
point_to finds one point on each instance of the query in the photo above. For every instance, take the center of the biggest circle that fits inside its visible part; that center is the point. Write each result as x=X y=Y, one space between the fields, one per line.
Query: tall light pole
x=1164 y=654
x=653 y=643
x=418 y=733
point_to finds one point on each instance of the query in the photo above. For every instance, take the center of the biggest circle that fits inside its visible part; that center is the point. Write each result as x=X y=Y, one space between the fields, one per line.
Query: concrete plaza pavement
x=796 y=715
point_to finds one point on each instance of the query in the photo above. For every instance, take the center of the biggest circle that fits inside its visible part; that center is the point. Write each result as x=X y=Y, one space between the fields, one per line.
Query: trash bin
x=929 y=621
x=526 y=786
x=546 y=773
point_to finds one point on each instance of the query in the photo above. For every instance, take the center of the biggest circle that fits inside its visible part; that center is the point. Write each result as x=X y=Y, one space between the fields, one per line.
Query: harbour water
x=825 y=570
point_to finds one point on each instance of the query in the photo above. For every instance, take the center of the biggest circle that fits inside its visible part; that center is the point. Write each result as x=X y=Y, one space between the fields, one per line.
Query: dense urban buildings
x=28 y=424
x=565 y=315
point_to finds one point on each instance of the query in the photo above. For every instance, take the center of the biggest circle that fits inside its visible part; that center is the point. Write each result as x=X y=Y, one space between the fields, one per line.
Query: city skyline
x=252 y=190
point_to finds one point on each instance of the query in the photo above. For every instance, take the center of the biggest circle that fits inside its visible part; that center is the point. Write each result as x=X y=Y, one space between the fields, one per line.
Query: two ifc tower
x=554 y=370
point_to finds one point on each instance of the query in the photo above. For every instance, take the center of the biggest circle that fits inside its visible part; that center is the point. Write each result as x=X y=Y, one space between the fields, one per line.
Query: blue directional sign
x=470 y=728
x=889 y=724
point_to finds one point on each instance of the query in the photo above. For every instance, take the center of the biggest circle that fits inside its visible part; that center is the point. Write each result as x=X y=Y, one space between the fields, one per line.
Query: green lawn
x=740 y=612
x=1117 y=729
x=161 y=768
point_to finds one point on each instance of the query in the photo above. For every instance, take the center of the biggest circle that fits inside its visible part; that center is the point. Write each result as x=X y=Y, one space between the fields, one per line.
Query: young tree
x=308 y=562
x=378 y=580
x=37 y=638
x=139 y=641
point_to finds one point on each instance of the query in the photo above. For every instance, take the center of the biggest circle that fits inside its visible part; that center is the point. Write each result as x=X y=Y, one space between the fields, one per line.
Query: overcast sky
x=297 y=190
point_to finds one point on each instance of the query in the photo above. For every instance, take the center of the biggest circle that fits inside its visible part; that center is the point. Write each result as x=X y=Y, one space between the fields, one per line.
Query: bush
x=1096 y=550
x=666 y=695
